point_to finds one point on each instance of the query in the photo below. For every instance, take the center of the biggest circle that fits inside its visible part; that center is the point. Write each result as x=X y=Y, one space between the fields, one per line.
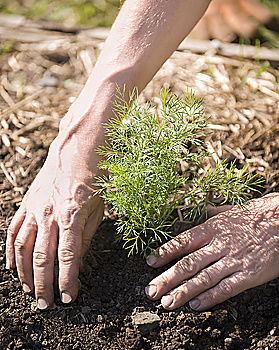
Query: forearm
x=144 y=35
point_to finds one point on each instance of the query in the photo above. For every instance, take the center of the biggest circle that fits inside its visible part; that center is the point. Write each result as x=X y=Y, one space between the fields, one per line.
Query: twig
x=22 y=103
x=6 y=97
x=5 y=282
x=6 y=173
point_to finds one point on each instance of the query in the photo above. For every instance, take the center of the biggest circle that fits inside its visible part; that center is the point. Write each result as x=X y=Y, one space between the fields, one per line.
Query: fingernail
x=26 y=288
x=42 y=304
x=151 y=260
x=194 y=304
x=166 y=300
x=66 y=297
x=8 y=266
x=151 y=290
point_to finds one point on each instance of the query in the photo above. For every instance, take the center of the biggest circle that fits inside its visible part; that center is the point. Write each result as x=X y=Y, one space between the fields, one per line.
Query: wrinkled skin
x=231 y=252
x=59 y=213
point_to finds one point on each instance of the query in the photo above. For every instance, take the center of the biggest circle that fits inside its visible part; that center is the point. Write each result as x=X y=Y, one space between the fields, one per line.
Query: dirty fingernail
x=151 y=260
x=26 y=288
x=42 y=304
x=66 y=297
x=194 y=304
x=166 y=300
x=151 y=290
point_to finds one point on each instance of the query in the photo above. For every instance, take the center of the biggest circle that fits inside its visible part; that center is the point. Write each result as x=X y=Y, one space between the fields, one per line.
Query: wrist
x=94 y=104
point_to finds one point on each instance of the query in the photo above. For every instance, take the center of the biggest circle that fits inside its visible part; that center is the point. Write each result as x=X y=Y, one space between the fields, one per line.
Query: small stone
x=100 y=318
x=34 y=306
x=137 y=309
x=34 y=336
x=228 y=341
x=274 y=331
x=145 y=321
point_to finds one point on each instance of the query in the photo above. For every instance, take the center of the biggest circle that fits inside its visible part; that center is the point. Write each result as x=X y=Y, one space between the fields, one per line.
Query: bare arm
x=60 y=211
x=141 y=39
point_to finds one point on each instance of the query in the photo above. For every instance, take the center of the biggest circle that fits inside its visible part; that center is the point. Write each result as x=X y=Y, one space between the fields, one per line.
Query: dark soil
x=112 y=284
x=112 y=291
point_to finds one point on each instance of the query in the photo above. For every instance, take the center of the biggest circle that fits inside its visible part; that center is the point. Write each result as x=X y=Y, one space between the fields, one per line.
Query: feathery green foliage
x=145 y=183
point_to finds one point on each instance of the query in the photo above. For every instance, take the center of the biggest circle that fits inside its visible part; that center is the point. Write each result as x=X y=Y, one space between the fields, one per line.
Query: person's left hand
x=231 y=252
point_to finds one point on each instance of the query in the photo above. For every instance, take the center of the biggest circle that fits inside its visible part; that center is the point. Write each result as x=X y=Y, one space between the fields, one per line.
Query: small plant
x=145 y=183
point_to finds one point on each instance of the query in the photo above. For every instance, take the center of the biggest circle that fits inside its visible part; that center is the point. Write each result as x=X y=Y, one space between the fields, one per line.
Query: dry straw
x=39 y=81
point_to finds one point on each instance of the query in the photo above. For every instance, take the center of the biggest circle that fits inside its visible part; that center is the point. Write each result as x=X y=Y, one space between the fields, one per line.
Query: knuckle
x=186 y=266
x=47 y=211
x=205 y=279
x=225 y=288
x=40 y=288
x=19 y=246
x=68 y=216
x=162 y=281
x=181 y=293
x=41 y=259
x=67 y=256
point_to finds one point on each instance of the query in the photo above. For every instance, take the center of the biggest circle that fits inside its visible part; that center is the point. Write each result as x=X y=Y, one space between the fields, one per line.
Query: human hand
x=59 y=213
x=224 y=19
x=231 y=252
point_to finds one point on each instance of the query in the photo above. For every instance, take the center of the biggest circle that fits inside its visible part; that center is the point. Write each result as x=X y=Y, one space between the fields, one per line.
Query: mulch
x=38 y=82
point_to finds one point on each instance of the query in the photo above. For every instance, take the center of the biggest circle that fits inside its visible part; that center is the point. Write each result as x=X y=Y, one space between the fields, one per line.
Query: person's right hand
x=59 y=213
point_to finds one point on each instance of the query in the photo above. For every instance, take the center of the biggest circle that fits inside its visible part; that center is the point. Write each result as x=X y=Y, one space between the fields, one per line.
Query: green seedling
x=145 y=182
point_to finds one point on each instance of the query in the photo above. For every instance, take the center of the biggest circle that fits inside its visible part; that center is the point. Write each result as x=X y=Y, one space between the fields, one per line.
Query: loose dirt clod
x=146 y=321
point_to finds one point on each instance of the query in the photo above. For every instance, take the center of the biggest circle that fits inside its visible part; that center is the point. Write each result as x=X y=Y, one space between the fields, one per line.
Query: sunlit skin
x=229 y=253
x=60 y=212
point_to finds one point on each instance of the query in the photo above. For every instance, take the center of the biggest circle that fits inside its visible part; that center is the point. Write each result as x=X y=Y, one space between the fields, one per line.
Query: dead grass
x=38 y=82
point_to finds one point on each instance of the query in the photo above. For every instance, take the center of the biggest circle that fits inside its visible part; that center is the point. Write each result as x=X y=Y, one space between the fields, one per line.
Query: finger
x=24 y=244
x=200 y=31
x=225 y=289
x=181 y=271
x=241 y=24
x=181 y=245
x=69 y=255
x=43 y=261
x=91 y=226
x=12 y=232
x=217 y=27
x=257 y=10
x=204 y=280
